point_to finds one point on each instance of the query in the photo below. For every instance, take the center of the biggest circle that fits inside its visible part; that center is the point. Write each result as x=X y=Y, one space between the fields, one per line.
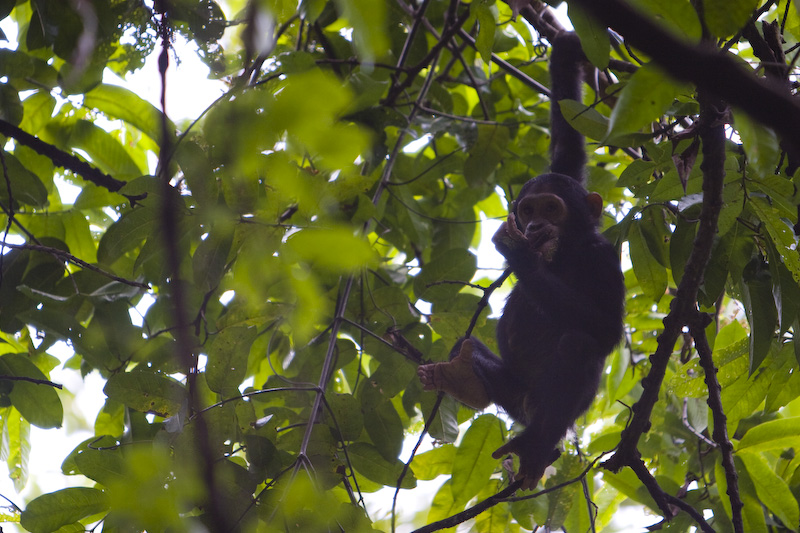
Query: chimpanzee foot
x=457 y=378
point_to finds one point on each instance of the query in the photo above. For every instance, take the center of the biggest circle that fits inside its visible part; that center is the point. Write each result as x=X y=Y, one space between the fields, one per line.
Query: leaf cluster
x=256 y=285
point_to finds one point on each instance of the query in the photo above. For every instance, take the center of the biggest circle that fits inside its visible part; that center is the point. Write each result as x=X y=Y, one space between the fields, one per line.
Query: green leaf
x=725 y=17
x=760 y=308
x=227 y=359
x=198 y=172
x=385 y=429
x=123 y=104
x=760 y=143
x=586 y=120
x=369 y=462
x=594 y=36
x=487 y=26
x=147 y=392
x=651 y=274
x=38 y=403
x=210 y=258
x=772 y=435
x=132 y=228
x=313 y=246
x=105 y=151
x=26 y=187
x=677 y=16
x=644 y=99
x=16 y=431
x=368 y=19
x=51 y=511
x=486 y=153
x=11 y=109
x=439 y=279
x=772 y=490
x=103 y=466
x=473 y=464
x=435 y=462
x=345 y=409
x=38 y=110
x=780 y=233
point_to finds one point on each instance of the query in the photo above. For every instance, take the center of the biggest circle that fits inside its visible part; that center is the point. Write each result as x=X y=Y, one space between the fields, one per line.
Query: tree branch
x=63 y=159
x=66 y=256
x=720 y=433
x=713 y=71
x=32 y=380
x=684 y=307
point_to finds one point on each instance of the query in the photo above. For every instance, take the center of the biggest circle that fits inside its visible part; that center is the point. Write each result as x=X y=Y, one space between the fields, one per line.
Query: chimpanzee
x=564 y=315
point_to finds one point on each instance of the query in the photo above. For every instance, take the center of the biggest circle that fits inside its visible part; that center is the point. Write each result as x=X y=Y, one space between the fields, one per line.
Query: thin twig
x=32 y=380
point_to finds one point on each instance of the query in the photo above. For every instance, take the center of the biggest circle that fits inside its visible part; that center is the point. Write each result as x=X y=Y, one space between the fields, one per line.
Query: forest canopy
x=257 y=285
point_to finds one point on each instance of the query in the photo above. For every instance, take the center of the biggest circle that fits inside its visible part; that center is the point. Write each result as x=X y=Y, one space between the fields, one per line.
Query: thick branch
x=720 y=433
x=713 y=71
x=61 y=158
x=684 y=307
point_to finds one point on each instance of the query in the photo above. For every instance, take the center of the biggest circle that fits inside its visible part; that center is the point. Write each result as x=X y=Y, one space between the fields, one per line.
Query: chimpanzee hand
x=531 y=464
x=535 y=243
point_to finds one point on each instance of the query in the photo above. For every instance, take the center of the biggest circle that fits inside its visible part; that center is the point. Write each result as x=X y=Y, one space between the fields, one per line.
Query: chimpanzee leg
x=474 y=376
x=566 y=390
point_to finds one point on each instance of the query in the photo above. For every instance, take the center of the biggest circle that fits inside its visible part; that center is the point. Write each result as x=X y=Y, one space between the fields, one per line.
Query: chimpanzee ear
x=595 y=203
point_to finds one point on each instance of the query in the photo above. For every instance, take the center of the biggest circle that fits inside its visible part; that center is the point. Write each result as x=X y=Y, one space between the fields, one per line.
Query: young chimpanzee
x=564 y=316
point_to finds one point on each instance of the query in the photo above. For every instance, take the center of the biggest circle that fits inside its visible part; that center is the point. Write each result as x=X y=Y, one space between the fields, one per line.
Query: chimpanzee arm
x=567 y=151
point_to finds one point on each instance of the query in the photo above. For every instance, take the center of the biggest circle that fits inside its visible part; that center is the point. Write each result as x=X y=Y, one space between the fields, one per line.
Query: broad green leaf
x=105 y=151
x=37 y=402
x=198 y=172
x=78 y=236
x=678 y=16
x=227 y=359
x=651 y=274
x=644 y=99
x=594 y=36
x=443 y=504
x=486 y=153
x=369 y=26
x=132 y=228
x=51 y=511
x=435 y=462
x=497 y=517
x=312 y=246
x=385 y=429
x=38 y=110
x=102 y=465
x=346 y=417
x=147 y=392
x=772 y=490
x=26 y=187
x=11 y=109
x=587 y=120
x=441 y=278
x=773 y=435
x=119 y=102
x=761 y=313
x=725 y=17
x=210 y=259
x=780 y=233
x=473 y=464
x=16 y=445
x=369 y=462
x=487 y=26
x=760 y=143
